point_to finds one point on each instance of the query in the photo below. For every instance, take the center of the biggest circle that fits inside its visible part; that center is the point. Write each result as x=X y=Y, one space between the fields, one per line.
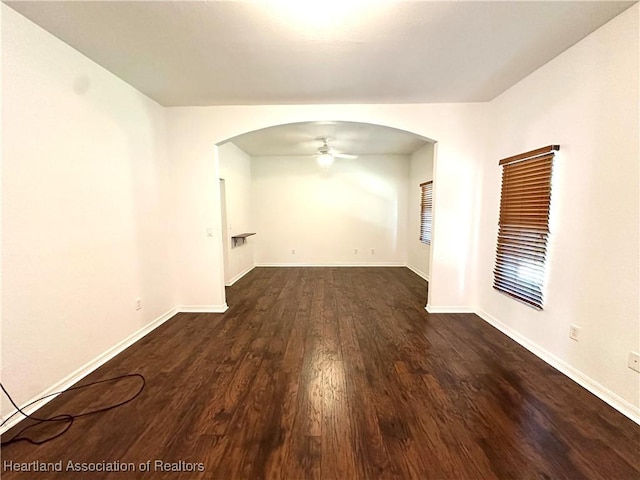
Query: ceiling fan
x=326 y=154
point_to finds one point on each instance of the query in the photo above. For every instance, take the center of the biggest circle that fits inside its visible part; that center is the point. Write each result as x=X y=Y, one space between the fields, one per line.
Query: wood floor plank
x=368 y=441
x=336 y=373
x=338 y=459
x=234 y=388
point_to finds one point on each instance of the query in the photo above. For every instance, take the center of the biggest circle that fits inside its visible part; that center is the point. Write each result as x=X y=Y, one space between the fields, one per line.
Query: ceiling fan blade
x=344 y=155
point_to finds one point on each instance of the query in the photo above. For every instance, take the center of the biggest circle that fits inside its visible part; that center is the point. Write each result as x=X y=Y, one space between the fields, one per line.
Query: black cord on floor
x=63 y=418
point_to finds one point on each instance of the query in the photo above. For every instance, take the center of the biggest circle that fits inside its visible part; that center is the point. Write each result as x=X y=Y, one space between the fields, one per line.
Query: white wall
x=235 y=169
x=194 y=131
x=585 y=100
x=326 y=214
x=420 y=171
x=85 y=196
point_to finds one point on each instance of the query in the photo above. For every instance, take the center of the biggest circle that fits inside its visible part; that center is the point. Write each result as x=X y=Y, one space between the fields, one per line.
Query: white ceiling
x=330 y=51
x=344 y=137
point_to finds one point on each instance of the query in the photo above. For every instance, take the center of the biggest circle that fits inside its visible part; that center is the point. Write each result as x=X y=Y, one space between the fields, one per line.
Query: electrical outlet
x=373 y=251
x=634 y=361
x=574 y=332
x=355 y=250
x=138 y=303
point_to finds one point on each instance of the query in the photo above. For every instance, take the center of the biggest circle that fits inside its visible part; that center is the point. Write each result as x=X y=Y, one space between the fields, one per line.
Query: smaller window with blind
x=524 y=225
x=426 y=211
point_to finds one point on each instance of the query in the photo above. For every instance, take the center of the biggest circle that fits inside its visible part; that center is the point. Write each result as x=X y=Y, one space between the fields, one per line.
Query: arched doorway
x=362 y=210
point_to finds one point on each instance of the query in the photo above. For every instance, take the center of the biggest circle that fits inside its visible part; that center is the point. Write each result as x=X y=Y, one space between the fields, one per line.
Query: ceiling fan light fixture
x=325 y=160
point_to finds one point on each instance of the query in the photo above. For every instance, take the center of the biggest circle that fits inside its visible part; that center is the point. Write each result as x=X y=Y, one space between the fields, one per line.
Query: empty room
x=339 y=240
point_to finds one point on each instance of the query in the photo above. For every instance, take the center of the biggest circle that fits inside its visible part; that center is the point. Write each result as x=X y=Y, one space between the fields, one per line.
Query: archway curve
x=326 y=128
x=431 y=122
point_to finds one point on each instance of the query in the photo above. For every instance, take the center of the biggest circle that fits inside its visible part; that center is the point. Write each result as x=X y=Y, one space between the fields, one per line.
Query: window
x=426 y=207
x=524 y=225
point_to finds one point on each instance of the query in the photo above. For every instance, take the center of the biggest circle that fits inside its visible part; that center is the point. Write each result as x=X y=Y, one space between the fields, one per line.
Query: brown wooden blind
x=524 y=225
x=426 y=210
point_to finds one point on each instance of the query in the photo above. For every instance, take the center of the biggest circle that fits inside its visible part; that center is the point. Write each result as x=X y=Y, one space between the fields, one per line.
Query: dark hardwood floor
x=337 y=373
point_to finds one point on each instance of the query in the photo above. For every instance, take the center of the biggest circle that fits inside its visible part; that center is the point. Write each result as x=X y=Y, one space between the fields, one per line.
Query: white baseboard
x=203 y=308
x=378 y=264
x=239 y=276
x=603 y=393
x=418 y=272
x=457 y=309
x=623 y=406
x=85 y=370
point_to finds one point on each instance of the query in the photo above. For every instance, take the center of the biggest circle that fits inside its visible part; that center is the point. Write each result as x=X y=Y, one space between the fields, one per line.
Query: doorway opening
x=362 y=209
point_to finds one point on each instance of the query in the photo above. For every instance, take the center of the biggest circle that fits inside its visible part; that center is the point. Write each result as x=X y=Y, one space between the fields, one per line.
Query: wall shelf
x=241 y=238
